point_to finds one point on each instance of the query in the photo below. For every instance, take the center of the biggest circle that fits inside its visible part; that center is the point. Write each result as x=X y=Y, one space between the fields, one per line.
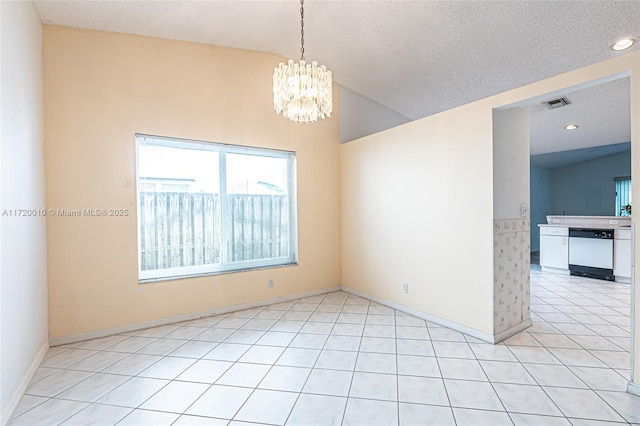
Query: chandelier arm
x=302 y=30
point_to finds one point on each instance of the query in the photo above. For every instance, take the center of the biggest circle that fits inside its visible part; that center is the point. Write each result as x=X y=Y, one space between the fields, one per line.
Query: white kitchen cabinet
x=622 y=255
x=554 y=248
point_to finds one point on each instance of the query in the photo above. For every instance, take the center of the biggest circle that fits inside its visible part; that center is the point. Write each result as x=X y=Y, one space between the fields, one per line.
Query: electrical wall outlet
x=613 y=222
x=405 y=288
x=270 y=283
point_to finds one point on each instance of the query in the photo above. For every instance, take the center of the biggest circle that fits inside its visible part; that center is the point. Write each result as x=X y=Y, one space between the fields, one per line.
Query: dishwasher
x=591 y=253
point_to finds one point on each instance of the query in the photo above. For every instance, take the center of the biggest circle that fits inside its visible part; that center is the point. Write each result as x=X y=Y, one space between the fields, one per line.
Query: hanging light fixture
x=302 y=91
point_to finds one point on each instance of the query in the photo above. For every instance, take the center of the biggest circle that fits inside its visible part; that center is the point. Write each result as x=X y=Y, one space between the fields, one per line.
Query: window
x=206 y=208
x=623 y=195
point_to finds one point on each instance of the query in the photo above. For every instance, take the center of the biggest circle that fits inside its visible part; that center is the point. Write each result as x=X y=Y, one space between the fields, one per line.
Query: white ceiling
x=602 y=113
x=414 y=57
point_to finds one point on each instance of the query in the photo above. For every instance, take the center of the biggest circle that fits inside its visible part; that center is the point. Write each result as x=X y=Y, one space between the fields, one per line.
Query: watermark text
x=65 y=212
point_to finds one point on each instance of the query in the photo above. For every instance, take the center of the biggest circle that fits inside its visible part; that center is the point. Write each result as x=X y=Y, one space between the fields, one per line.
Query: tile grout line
x=210 y=385
x=355 y=365
x=274 y=363
x=169 y=381
x=395 y=338
x=316 y=360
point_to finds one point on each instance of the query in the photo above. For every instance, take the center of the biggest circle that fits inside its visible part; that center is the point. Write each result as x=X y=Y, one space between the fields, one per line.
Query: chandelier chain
x=302 y=29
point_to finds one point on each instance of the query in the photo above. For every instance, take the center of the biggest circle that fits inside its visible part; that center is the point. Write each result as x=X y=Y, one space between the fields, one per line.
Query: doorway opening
x=578 y=154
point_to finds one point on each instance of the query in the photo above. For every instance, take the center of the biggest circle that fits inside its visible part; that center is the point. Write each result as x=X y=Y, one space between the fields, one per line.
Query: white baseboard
x=443 y=322
x=57 y=341
x=633 y=388
x=512 y=331
x=485 y=337
x=22 y=387
x=555 y=270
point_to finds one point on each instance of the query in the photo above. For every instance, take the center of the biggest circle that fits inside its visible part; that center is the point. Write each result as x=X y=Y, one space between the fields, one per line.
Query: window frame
x=224 y=266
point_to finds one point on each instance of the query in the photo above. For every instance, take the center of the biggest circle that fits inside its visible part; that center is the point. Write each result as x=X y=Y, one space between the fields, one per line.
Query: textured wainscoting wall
x=511 y=263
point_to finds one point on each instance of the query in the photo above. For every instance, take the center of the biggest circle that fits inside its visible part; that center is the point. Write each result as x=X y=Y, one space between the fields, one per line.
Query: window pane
x=179 y=207
x=623 y=196
x=257 y=219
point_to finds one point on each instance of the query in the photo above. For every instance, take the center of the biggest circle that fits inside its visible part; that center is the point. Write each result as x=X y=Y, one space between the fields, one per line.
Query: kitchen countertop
x=589 y=222
x=560 y=225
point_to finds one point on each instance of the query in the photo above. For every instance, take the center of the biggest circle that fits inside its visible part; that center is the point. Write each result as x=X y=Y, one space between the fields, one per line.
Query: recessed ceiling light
x=571 y=126
x=623 y=44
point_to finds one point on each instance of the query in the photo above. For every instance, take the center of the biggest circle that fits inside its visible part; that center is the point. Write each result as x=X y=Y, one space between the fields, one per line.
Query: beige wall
x=417 y=208
x=23 y=287
x=417 y=203
x=101 y=89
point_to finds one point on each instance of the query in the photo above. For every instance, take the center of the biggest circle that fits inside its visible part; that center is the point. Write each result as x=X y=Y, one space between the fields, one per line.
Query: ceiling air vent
x=557 y=103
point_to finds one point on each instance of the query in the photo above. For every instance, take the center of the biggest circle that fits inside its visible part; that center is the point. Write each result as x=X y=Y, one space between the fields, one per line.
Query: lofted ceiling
x=414 y=57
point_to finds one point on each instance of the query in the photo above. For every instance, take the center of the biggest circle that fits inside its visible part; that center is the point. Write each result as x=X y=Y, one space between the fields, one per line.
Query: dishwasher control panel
x=601 y=234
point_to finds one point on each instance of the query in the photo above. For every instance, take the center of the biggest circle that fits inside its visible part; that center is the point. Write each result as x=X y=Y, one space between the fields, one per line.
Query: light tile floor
x=341 y=359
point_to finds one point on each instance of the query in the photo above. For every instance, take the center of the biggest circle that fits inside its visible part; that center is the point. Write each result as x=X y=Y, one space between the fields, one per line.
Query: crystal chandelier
x=302 y=91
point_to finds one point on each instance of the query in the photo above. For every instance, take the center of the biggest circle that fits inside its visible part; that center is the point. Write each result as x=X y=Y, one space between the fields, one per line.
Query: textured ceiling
x=415 y=57
x=602 y=113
